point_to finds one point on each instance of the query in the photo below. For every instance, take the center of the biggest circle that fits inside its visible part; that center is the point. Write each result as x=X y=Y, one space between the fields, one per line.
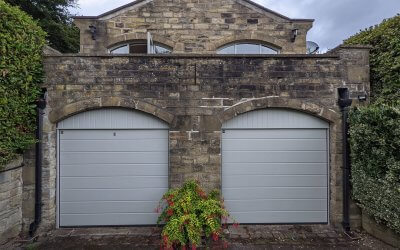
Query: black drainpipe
x=40 y=106
x=344 y=104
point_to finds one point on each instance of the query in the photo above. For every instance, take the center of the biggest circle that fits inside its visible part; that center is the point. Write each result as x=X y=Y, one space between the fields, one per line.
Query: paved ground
x=243 y=237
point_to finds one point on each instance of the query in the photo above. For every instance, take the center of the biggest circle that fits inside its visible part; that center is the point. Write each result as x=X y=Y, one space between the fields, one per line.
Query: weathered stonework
x=28 y=191
x=195 y=94
x=193 y=26
x=11 y=200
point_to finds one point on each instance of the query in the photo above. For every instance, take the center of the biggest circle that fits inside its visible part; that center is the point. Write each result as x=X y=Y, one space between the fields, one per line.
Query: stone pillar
x=28 y=198
x=49 y=173
x=355 y=69
x=195 y=151
x=355 y=72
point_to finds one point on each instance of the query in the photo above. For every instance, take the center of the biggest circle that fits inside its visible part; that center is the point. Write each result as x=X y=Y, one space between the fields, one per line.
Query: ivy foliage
x=189 y=214
x=384 y=58
x=375 y=129
x=21 y=71
x=375 y=154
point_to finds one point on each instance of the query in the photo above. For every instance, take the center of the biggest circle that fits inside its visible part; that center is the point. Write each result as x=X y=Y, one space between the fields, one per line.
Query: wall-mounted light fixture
x=363 y=97
x=93 y=31
x=294 y=34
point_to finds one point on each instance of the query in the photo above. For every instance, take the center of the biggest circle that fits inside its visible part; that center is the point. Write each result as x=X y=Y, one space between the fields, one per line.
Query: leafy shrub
x=189 y=214
x=54 y=17
x=384 y=58
x=21 y=43
x=375 y=153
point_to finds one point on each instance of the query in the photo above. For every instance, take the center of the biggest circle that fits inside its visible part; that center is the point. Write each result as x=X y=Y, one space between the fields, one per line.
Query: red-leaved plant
x=190 y=214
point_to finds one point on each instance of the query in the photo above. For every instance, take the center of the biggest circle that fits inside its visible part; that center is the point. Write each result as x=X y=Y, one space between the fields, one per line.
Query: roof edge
x=247 y=1
x=276 y=13
x=110 y=11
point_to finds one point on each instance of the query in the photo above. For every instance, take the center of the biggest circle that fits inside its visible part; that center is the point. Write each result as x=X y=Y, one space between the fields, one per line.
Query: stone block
x=210 y=123
x=202 y=159
x=28 y=175
x=358 y=74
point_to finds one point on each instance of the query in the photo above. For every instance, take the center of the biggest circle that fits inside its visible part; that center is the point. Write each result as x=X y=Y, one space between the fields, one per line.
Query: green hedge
x=21 y=71
x=375 y=153
x=385 y=57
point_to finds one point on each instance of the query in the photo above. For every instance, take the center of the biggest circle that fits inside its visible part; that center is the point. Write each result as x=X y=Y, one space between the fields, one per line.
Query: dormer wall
x=200 y=27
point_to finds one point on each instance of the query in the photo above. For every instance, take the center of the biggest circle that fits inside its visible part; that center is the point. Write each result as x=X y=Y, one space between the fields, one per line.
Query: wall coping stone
x=47 y=50
x=349 y=47
x=18 y=162
x=380 y=231
x=215 y=56
x=367 y=47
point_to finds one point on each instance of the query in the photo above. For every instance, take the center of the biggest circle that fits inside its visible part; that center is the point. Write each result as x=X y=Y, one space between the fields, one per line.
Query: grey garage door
x=275 y=167
x=113 y=168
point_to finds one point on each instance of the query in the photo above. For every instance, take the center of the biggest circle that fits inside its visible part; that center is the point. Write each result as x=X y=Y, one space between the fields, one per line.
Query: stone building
x=200 y=27
x=223 y=92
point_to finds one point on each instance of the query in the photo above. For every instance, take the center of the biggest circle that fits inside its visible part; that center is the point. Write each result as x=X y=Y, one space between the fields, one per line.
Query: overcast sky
x=335 y=20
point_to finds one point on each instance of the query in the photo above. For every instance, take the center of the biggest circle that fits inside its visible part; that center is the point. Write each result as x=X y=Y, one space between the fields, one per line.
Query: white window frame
x=151 y=46
x=260 y=45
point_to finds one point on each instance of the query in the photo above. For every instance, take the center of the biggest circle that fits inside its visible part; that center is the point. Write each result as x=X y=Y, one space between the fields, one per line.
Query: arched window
x=247 y=48
x=140 y=47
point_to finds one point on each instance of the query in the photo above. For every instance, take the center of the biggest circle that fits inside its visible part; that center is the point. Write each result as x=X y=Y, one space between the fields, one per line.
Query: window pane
x=227 y=50
x=138 y=48
x=121 y=50
x=266 y=50
x=161 y=50
x=246 y=48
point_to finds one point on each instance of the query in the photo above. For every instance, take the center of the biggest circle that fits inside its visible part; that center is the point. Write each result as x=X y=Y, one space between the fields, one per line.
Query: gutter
x=40 y=106
x=344 y=104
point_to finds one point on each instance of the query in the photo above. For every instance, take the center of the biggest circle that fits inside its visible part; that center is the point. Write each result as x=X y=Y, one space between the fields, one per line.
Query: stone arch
x=74 y=108
x=246 y=36
x=311 y=108
x=117 y=40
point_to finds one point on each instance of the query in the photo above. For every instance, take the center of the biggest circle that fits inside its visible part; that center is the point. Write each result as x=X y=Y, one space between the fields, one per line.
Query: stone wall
x=193 y=26
x=11 y=200
x=28 y=194
x=195 y=94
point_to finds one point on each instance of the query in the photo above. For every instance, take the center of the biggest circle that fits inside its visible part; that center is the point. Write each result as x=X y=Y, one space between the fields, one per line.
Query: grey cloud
x=336 y=20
